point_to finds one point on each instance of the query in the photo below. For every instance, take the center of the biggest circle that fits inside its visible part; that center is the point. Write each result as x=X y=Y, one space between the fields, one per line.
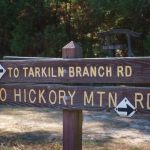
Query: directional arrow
x=125 y=108
x=128 y=109
x=2 y=71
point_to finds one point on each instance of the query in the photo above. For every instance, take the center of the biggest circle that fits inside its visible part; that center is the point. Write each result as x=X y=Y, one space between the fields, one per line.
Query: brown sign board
x=74 y=97
x=101 y=70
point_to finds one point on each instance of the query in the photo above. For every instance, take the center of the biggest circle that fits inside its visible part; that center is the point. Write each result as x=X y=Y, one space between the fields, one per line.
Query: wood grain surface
x=74 y=97
x=78 y=70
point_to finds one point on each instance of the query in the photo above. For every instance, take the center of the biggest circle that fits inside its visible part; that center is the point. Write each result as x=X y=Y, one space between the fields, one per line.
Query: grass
x=30 y=146
x=96 y=145
x=56 y=145
x=36 y=129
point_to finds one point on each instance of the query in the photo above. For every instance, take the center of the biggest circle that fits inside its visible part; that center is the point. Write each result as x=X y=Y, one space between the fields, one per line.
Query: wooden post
x=72 y=119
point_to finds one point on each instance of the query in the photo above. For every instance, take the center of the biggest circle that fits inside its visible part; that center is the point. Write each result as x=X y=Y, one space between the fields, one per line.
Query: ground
x=41 y=129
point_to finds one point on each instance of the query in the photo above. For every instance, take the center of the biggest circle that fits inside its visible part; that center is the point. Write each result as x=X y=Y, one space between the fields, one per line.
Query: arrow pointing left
x=2 y=71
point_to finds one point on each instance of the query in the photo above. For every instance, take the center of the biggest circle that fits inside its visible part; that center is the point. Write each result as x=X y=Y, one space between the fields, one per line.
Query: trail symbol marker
x=2 y=71
x=125 y=108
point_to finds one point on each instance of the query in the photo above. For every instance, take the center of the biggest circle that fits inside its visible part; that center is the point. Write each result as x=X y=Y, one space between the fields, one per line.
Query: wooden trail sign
x=29 y=83
x=74 y=97
x=101 y=70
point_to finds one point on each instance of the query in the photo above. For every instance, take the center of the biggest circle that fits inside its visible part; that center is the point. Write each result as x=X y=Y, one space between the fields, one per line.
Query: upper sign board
x=101 y=70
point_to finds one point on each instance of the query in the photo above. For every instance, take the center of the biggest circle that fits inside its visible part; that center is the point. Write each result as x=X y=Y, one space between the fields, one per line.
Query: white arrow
x=125 y=108
x=2 y=71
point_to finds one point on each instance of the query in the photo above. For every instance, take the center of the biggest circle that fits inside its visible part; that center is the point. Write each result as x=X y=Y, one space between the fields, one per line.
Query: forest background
x=43 y=27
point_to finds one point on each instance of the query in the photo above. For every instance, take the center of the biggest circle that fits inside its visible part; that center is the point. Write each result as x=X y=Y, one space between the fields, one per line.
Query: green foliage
x=55 y=38
x=147 y=44
x=43 y=27
x=21 y=40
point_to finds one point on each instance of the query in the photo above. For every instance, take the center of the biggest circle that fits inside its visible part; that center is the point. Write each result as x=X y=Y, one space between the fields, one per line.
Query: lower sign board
x=74 y=97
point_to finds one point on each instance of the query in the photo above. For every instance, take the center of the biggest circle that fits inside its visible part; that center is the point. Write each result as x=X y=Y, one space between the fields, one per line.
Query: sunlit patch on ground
x=41 y=129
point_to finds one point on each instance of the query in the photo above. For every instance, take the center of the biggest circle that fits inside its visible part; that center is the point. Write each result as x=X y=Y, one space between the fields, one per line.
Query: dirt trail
x=45 y=124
